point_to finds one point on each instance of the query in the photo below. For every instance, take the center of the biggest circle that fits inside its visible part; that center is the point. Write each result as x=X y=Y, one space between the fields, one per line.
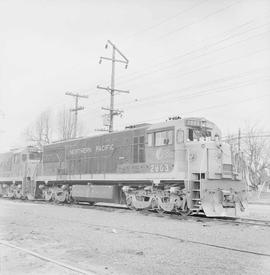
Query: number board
x=160 y=167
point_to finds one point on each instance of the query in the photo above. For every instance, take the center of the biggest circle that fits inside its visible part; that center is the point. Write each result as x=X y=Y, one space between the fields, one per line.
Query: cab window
x=16 y=158
x=196 y=134
x=180 y=136
x=34 y=155
x=150 y=140
x=138 y=149
x=164 y=138
x=24 y=157
x=190 y=134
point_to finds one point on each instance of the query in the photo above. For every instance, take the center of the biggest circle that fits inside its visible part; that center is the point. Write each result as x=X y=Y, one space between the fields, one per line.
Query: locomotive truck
x=180 y=165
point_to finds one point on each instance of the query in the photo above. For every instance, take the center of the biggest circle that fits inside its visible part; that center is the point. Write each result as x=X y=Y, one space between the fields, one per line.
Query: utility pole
x=76 y=109
x=113 y=112
x=2 y=114
x=239 y=140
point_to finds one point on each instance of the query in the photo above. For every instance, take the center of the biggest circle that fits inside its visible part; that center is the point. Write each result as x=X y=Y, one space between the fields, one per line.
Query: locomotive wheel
x=69 y=199
x=29 y=197
x=60 y=197
x=185 y=212
x=129 y=203
x=48 y=195
x=160 y=210
x=165 y=204
x=154 y=205
x=142 y=202
x=10 y=195
x=18 y=195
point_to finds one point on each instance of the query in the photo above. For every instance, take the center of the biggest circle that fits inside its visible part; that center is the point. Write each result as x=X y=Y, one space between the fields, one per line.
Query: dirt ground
x=106 y=241
x=259 y=211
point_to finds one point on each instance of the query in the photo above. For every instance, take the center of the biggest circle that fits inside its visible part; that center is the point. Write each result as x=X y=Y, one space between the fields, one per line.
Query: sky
x=203 y=58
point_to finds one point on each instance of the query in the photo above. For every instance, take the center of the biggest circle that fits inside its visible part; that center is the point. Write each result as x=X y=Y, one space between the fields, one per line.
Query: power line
x=219 y=63
x=230 y=103
x=201 y=55
x=209 y=83
x=245 y=137
x=198 y=94
x=261 y=133
x=168 y=19
x=209 y=107
x=163 y=97
x=202 y=19
x=195 y=50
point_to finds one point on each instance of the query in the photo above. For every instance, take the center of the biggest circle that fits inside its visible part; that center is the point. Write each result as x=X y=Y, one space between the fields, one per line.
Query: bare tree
x=40 y=132
x=256 y=152
x=65 y=124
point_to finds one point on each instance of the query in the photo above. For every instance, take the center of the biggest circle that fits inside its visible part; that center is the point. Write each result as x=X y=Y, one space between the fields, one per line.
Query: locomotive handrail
x=188 y=169
x=201 y=164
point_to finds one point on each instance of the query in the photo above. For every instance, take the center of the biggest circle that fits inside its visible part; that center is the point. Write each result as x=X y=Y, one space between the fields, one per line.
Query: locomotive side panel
x=111 y=153
x=98 y=155
x=18 y=167
x=137 y=151
x=53 y=160
x=6 y=165
x=96 y=193
x=12 y=166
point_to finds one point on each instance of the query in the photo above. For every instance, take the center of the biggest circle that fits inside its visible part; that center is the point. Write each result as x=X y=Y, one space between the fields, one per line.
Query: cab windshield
x=35 y=156
x=197 y=133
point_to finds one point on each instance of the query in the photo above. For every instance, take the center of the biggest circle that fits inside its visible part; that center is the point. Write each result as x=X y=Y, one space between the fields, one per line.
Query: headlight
x=192 y=156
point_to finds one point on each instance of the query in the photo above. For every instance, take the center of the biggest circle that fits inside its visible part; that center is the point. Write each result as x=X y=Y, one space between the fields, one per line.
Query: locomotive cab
x=198 y=129
x=18 y=176
x=215 y=179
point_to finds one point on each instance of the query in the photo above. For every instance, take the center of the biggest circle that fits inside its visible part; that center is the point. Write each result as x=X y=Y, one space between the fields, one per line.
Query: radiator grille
x=227 y=169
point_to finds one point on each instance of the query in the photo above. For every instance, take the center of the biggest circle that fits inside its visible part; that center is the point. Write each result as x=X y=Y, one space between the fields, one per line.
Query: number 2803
x=157 y=168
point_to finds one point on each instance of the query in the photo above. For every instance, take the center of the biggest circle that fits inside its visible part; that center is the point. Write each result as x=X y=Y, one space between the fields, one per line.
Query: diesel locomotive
x=180 y=165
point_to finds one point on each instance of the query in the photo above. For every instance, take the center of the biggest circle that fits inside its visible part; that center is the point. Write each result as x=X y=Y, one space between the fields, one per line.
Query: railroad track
x=196 y=218
x=252 y=222
x=174 y=237
x=165 y=236
x=147 y=233
x=47 y=259
x=224 y=220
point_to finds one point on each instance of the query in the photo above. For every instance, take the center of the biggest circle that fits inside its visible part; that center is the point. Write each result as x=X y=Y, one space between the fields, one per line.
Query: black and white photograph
x=134 y=137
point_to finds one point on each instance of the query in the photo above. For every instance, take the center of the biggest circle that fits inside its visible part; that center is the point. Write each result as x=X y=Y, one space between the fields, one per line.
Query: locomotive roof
x=179 y=122
x=25 y=149
x=164 y=124
x=140 y=126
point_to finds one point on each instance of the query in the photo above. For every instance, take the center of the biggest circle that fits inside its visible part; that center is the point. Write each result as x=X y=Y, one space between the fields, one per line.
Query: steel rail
x=37 y=255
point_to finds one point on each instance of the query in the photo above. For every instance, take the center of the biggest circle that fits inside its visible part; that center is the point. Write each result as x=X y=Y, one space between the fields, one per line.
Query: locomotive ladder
x=196 y=206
